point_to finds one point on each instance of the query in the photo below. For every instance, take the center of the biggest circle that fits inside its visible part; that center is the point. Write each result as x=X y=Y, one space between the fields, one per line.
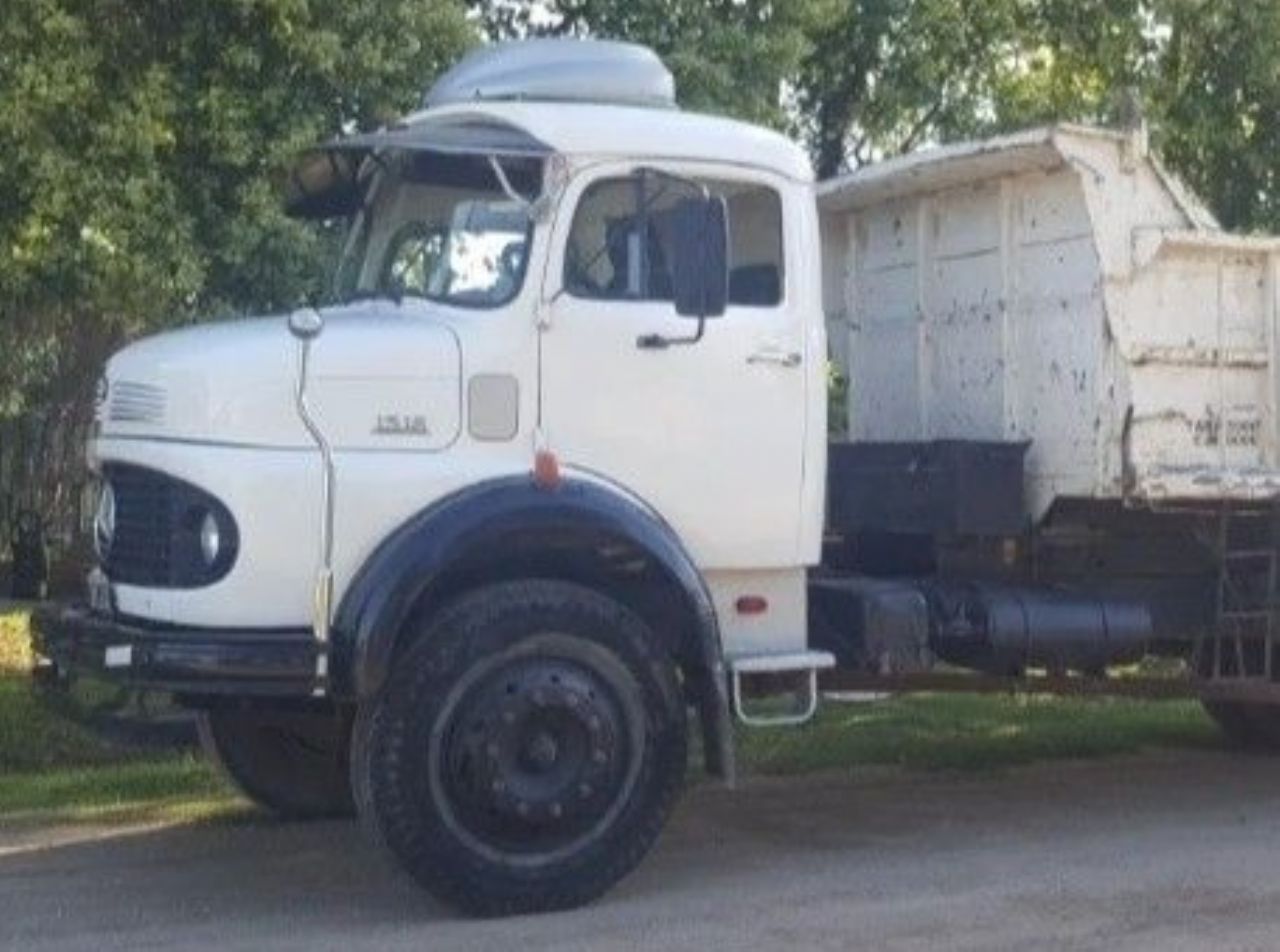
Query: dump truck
x=467 y=550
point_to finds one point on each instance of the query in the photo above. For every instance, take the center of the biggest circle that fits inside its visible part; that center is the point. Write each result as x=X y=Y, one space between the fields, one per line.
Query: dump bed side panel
x=1199 y=342
x=976 y=314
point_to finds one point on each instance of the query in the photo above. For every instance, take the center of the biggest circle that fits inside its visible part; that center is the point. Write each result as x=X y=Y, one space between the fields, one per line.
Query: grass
x=178 y=788
x=56 y=770
x=15 y=646
x=53 y=769
x=974 y=732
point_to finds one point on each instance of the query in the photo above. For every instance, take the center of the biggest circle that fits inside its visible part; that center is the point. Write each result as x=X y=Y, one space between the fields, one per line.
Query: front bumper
x=247 y=662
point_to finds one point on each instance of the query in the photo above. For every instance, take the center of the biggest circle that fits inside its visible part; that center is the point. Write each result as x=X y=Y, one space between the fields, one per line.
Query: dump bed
x=1057 y=287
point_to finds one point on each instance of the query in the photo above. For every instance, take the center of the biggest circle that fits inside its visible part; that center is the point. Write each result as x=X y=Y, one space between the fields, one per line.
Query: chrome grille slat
x=131 y=402
x=144 y=526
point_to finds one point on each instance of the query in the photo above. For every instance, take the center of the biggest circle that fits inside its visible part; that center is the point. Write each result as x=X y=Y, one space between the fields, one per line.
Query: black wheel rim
x=534 y=754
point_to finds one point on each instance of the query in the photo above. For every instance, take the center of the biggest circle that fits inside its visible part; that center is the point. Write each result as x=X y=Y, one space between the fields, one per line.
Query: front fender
x=481 y=519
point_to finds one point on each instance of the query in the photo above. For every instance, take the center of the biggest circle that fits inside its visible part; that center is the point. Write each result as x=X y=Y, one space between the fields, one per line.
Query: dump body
x=1056 y=287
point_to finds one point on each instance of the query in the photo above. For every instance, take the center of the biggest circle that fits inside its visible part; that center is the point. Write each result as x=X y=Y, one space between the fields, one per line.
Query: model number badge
x=401 y=424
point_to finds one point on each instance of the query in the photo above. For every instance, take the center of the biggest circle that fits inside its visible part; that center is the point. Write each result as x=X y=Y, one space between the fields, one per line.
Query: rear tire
x=526 y=751
x=1253 y=726
x=292 y=764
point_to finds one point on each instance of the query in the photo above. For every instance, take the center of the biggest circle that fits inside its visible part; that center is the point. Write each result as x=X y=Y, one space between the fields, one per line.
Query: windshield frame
x=356 y=277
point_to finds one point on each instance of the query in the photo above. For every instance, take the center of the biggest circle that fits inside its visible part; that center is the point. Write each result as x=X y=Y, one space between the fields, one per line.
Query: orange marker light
x=751 y=604
x=546 y=469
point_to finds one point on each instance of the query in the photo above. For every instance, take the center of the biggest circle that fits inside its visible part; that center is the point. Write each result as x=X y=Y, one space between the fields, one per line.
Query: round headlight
x=210 y=539
x=104 y=522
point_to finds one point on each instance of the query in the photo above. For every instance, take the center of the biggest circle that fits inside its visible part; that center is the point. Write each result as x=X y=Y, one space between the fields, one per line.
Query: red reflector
x=546 y=469
x=752 y=604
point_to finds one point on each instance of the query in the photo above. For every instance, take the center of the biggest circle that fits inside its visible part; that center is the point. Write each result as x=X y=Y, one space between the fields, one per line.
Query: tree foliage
x=728 y=56
x=1216 y=96
x=141 y=140
x=141 y=144
x=883 y=76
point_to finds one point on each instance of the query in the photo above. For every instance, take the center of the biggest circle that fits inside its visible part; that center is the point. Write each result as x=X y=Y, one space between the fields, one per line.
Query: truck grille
x=156 y=543
x=139 y=552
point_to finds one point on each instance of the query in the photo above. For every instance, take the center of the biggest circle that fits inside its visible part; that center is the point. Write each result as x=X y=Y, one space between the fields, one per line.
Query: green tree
x=1216 y=103
x=1073 y=60
x=142 y=142
x=728 y=56
x=884 y=76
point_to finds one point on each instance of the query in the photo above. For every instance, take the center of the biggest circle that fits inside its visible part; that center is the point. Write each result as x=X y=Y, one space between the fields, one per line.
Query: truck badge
x=401 y=424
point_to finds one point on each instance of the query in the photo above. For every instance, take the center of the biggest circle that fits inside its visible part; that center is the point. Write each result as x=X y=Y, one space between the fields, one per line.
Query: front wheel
x=527 y=750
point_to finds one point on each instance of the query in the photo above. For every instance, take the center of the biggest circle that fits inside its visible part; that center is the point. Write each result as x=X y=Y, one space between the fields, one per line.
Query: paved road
x=1180 y=851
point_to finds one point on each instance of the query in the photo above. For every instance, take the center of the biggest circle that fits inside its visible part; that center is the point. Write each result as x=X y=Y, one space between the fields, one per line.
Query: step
x=782 y=663
x=1241 y=555
x=807 y=663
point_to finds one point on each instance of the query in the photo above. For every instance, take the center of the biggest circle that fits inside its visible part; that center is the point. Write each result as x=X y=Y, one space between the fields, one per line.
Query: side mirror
x=700 y=266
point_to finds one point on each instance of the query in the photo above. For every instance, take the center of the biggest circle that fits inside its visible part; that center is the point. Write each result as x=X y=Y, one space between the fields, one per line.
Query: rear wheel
x=1256 y=726
x=527 y=750
x=293 y=764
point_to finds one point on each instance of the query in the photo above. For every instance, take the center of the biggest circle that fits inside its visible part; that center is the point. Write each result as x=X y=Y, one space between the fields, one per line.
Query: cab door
x=710 y=433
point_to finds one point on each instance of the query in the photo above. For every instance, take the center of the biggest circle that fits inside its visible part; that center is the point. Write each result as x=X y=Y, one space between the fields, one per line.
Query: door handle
x=780 y=358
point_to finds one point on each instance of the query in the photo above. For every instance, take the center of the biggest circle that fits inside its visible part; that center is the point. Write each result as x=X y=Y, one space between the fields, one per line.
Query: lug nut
x=555 y=811
x=597 y=755
x=491 y=749
x=584 y=790
x=522 y=808
x=508 y=717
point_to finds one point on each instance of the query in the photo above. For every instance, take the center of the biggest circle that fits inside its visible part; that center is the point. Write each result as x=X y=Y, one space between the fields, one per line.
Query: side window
x=619 y=244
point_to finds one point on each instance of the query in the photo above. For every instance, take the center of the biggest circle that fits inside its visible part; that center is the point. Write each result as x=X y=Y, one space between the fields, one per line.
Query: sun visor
x=326 y=182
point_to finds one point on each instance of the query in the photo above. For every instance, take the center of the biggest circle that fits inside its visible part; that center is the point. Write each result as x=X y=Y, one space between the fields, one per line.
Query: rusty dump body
x=1057 y=292
x=1057 y=286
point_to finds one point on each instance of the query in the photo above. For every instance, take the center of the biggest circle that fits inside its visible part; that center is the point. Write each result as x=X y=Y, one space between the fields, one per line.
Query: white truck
x=462 y=550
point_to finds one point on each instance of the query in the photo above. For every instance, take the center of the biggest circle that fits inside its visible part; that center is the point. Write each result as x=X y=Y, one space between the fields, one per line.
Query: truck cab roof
x=620 y=131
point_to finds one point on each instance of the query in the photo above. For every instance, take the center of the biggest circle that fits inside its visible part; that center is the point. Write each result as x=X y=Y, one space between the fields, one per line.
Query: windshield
x=443 y=228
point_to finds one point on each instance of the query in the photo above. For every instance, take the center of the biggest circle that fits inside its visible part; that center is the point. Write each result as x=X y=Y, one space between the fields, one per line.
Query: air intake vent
x=563 y=70
x=129 y=402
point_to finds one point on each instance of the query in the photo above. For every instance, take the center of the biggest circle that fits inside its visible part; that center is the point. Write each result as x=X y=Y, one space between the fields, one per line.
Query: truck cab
x=554 y=455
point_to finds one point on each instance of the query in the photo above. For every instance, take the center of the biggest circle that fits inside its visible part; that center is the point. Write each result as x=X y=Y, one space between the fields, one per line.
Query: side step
x=805 y=664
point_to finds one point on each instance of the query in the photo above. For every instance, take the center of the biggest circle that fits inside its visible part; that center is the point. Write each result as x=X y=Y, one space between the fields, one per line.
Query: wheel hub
x=536 y=752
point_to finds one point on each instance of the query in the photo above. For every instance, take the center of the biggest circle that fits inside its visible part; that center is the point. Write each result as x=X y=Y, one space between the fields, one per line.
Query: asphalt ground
x=1174 y=851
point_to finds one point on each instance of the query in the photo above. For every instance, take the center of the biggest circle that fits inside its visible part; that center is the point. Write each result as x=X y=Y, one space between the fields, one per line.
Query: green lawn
x=54 y=769
x=975 y=732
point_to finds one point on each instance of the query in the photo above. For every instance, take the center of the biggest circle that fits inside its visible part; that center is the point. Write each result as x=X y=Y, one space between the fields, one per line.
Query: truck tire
x=292 y=764
x=526 y=751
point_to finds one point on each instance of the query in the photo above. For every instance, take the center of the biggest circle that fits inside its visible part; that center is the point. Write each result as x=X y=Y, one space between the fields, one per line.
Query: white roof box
x=558 y=70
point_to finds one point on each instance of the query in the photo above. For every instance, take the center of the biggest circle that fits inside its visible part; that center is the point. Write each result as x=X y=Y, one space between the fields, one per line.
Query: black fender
x=485 y=519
